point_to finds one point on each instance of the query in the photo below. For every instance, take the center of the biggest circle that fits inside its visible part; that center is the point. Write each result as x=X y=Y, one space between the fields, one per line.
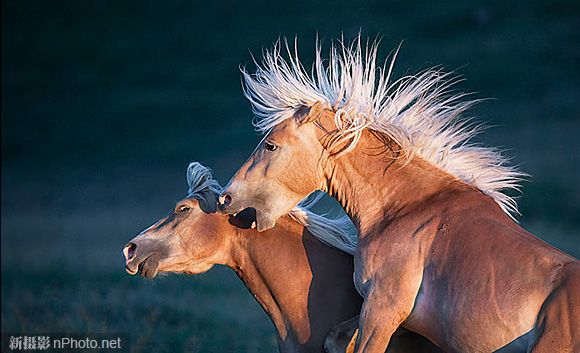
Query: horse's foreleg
x=379 y=319
x=340 y=339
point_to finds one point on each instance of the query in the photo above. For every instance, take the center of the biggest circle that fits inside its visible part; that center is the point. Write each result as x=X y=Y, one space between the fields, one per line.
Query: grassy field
x=104 y=103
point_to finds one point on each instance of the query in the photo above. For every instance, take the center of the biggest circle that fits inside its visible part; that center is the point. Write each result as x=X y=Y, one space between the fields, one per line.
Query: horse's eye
x=183 y=209
x=270 y=146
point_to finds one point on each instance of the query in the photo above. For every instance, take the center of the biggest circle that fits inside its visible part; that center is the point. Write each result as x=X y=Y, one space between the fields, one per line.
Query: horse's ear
x=306 y=114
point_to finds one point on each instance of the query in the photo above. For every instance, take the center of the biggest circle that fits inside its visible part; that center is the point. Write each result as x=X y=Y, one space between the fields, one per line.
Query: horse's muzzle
x=225 y=203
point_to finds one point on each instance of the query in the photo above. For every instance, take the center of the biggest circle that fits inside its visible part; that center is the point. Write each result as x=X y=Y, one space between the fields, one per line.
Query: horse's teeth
x=253 y=224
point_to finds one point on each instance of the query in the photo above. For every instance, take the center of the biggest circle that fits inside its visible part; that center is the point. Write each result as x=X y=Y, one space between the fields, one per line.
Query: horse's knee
x=339 y=341
x=340 y=338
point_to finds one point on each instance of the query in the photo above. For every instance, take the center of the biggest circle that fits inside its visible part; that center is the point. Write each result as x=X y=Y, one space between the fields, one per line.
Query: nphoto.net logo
x=53 y=342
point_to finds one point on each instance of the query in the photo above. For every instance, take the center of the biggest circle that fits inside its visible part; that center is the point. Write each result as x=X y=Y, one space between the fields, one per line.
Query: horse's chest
x=363 y=271
x=360 y=281
x=371 y=262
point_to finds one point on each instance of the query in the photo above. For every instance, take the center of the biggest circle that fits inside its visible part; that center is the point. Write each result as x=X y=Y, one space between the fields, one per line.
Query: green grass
x=105 y=102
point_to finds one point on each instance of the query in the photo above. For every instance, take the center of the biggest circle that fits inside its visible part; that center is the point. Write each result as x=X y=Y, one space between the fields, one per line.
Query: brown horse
x=438 y=250
x=303 y=285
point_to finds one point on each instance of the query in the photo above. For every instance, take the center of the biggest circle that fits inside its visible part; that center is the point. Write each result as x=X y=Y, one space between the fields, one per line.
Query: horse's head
x=191 y=239
x=186 y=241
x=285 y=167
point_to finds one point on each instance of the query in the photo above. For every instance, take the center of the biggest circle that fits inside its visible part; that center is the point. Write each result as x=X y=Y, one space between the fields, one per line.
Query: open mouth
x=245 y=219
x=131 y=271
x=147 y=267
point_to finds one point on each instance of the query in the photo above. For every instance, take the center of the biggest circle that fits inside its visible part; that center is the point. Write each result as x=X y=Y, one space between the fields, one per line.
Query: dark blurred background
x=104 y=103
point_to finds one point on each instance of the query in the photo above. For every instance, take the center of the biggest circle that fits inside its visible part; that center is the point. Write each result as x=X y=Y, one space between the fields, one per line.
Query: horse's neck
x=373 y=183
x=270 y=264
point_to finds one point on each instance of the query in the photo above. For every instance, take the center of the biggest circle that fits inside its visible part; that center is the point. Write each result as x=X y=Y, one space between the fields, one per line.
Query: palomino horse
x=438 y=250
x=303 y=285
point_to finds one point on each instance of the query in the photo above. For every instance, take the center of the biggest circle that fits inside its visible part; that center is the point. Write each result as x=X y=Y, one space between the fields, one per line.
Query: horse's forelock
x=200 y=182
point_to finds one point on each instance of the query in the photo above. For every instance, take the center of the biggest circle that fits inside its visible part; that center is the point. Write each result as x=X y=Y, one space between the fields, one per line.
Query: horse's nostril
x=225 y=200
x=129 y=251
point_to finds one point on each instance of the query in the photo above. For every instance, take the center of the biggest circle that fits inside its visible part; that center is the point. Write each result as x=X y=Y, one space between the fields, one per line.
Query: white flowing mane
x=420 y=112
x=336 y=231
